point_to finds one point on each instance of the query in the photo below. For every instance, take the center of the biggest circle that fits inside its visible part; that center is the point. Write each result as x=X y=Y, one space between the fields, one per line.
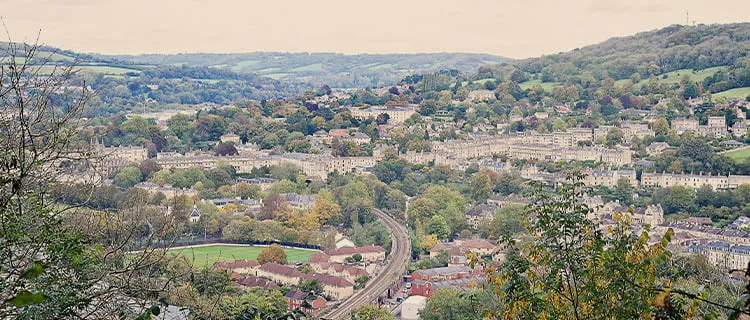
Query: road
x=393 y=271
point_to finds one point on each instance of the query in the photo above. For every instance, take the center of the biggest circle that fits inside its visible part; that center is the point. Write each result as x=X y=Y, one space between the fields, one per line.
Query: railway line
x=392 y=273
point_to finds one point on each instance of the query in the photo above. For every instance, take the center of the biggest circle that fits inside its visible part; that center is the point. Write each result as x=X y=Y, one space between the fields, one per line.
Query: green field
x=739 y=93
x=240 y=66
x=674 y=77
x=315 y=67
x=206 y=256
x=107 y=70
x=739 y=155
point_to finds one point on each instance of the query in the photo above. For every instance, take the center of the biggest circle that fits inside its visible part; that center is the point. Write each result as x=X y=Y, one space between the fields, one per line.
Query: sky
x=510 y=28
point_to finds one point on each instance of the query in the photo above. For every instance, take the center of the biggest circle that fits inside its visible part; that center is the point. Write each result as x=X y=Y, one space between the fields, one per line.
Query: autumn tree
x=273 y=253
x=574 y=270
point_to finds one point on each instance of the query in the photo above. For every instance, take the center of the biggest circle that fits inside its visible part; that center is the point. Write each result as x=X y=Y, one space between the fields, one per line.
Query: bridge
x=385 y=284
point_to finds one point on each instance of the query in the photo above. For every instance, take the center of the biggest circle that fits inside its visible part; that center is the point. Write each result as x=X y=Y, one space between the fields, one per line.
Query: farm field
x=208 y=255
x=739 y=93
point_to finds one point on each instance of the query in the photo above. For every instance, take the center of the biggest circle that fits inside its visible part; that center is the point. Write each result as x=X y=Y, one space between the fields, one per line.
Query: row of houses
x=426 y=281
x=724 y=254
x=609 y=178
x=335 y=287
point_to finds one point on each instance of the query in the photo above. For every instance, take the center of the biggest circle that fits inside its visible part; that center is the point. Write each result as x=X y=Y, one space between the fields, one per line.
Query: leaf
x=26 y=298
x=33 y=272
x=155 y=310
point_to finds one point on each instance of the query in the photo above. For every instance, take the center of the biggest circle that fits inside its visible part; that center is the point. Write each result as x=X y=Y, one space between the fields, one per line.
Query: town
x=611 y=181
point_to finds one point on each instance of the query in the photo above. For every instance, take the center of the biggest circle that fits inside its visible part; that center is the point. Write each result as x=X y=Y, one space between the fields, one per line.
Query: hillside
x=714 y=55
x=314 y=69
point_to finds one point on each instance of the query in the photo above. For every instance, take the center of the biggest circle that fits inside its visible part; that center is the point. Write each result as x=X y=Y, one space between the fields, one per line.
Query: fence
x=184 y=242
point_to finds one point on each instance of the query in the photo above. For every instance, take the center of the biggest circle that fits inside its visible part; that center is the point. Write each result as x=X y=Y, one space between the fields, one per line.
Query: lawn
x=739 y=155
x=739 y=93
x=206 y=256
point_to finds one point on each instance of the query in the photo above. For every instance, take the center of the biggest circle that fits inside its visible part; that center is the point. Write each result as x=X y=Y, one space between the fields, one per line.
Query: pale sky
x=511 y=28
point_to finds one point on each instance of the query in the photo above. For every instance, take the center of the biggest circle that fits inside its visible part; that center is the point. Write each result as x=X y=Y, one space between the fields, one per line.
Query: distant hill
x=315 y=69
x=714 y=55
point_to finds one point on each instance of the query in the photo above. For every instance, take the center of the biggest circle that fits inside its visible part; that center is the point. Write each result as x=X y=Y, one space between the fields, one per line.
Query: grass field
x=315 y=67
x=739 y=155
x=240 y=66
x=739 y=93
x=675 y=76
x=206 y=256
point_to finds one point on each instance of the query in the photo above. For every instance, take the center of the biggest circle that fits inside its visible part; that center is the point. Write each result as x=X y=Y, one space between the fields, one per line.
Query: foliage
x=450 y=304
x=371 y=312
x=273 y=253
x=573 y=270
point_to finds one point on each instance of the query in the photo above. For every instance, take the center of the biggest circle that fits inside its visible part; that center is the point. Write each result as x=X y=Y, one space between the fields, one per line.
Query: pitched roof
x=258 y=282
x=283 y=270
x=319 y=257
x=477 y=244
x=332 y=280
x=351 y=251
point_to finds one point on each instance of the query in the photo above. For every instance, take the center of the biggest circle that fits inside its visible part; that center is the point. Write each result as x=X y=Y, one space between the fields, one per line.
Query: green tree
x=614 y=136
x=450 y=304
x=508 y=222
x=572 y=270
x=481 y=186
x=58 y=262
x=660 y=127
x=371 y=312
x=182 y=127
x=128 y=177
x=311 y=285
x=438 y=226
x=677 y=199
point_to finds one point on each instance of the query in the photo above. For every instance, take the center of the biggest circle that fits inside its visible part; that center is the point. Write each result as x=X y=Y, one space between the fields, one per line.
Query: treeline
x=646 y=54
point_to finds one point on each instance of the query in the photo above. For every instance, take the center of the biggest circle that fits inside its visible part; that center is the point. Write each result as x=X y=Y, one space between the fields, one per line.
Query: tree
x=357 y=257
x=128 y=177
x=582 y=272
x=181 y=125
x=326 y=208
x=622 y=192
x=508 y=222
x=311 y=285
x=371 y=312
x=660 y=127
x=450 y=304
x=438 y=226
x=481 y=185
x=149 y=167
x=57 y=261
x=240 y=229
x=273 y=253
x=247 y=191
x=677 y=199
x=615 y=136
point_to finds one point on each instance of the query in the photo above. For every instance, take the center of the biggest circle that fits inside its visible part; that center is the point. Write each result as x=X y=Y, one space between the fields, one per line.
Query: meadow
x=208 y=255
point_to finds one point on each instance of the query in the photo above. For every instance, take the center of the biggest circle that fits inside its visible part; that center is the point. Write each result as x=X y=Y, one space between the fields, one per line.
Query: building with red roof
x=369 y=253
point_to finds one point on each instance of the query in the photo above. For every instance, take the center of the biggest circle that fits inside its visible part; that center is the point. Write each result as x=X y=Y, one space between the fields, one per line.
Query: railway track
x=393 y=271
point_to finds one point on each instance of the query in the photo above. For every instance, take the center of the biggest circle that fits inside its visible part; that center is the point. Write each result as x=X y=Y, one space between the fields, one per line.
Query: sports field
x=207 y=255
